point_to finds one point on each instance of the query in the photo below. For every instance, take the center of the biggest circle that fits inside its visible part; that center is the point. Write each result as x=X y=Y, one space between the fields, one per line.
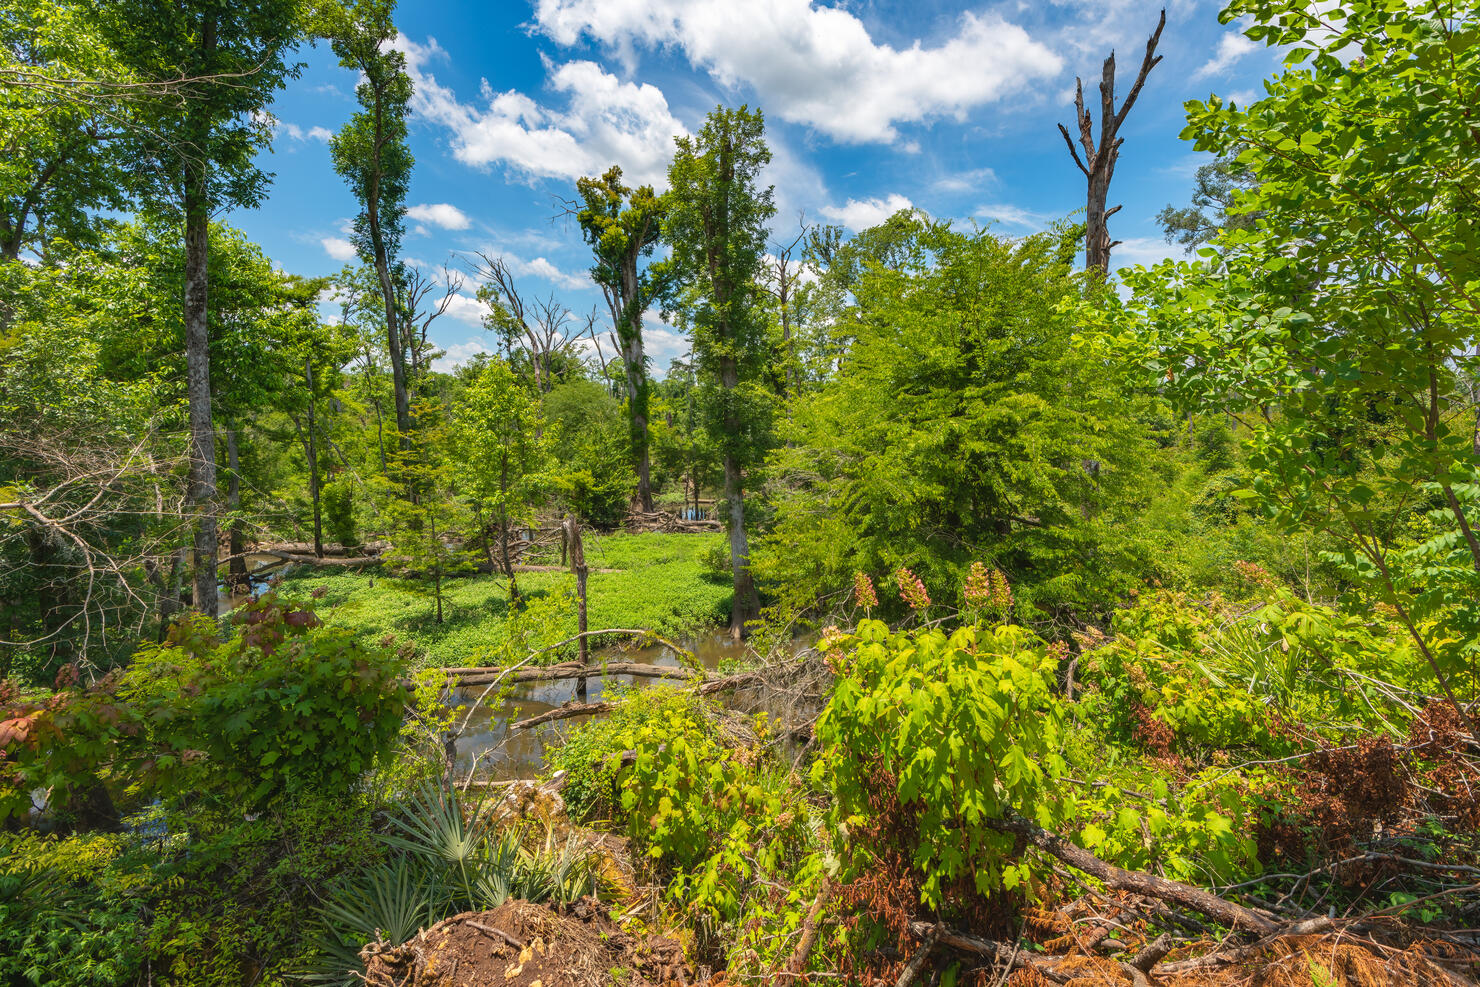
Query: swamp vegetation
x=952 y=613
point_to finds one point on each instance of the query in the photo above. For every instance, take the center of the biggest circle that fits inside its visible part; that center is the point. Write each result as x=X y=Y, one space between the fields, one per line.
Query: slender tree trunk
x=313 y=463
x=436 y=562
x=375 y=403
x=1097 y=233
x=576 y=550
x=634 y=362
x=483 y=531
x=201 y=488
x=393 y=326
x=508 y=561
x=503 y=514
x=237 y=577
x=746 y=604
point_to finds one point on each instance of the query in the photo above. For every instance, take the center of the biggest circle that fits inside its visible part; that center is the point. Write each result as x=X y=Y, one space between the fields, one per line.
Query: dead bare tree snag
x=1100 y=156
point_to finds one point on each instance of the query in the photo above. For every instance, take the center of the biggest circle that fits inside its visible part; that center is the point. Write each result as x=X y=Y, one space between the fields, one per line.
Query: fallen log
x=328 y=561
x=997 y=952
x=1233 y=915
x=569 y=709
x=562 y=712
x=331 y=549
x=566 y=670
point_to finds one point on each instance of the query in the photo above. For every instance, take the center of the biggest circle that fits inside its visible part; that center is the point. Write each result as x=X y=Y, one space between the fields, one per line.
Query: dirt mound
x=520 y=944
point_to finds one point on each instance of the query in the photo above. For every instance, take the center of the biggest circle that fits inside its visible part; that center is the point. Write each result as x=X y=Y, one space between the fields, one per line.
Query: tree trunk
x=746 y=604
x=503 y=514
x=1100 y=156
x=1137 y=882
x=436 y=563
x=1097 y=231
x=577 y=552
x=375 y=403
x=237 y=577
x=388 y=292
x=313 y=463
x=201 y=488
x=483 y=531
x=635 y=364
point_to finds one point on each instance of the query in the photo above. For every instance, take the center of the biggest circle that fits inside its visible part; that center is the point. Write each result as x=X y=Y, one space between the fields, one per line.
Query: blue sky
x=870 y=105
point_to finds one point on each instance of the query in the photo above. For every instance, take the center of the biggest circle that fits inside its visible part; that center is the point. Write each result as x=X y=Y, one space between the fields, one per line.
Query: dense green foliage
x=1180 y=573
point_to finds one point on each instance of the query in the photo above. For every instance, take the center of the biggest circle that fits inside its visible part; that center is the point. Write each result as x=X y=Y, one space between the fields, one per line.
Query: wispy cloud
x=1231 y=48
x=1009 y=215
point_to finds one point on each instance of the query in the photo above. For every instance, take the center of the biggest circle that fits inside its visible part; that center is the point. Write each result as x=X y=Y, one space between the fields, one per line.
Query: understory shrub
x=963 y=728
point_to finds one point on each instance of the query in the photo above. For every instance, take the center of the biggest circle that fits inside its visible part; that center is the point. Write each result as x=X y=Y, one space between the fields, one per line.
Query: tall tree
x=716 y=225
x=623 y=225
x=372 y=155
x=502 y=452
x=1099 y=158
x=198 y=154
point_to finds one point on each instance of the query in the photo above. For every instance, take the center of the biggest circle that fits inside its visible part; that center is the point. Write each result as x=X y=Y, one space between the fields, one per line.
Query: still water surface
x=487 y=749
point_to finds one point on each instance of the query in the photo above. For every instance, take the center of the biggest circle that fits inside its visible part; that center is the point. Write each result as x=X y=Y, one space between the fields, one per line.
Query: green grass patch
x=660 y=584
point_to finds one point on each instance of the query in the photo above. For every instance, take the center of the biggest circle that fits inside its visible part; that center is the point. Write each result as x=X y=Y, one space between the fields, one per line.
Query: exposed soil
x=520 y=944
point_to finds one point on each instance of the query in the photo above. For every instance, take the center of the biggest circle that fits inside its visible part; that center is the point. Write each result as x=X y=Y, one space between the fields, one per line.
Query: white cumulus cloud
x=442 y=214
x=604 y=121
x=818 y=65
x=460 y=353
x=466 y=310
x=338 y=247
x=860 y=214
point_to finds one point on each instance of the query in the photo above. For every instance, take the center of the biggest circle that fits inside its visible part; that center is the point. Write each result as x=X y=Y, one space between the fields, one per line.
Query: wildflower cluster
x=987 y=588
x=912 y=590
x=1255 y=575
x=863 y=592
x=831 y=647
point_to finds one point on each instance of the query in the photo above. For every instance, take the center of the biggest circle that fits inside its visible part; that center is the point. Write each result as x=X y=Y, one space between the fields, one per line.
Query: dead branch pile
x=668 y=523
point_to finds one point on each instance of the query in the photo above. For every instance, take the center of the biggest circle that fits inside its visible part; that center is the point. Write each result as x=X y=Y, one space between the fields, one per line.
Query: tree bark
x=201 y=481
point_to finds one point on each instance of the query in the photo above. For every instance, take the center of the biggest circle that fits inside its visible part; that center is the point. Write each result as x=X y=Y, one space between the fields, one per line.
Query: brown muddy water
x=488 y=750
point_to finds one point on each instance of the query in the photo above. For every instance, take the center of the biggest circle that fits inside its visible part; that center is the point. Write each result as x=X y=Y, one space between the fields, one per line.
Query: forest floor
x=654 y=581
x=520 y=944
